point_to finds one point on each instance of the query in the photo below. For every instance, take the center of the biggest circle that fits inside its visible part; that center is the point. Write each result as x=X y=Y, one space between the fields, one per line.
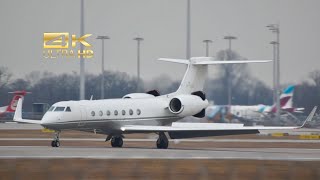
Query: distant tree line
x=49 y=88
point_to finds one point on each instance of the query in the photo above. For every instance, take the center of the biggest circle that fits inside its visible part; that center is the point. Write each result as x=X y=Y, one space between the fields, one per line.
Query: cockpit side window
x=59 y=109
x=68 y=109
x=51 y=108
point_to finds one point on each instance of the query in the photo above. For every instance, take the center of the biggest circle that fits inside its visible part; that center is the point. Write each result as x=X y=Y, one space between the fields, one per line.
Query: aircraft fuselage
x=108 y=116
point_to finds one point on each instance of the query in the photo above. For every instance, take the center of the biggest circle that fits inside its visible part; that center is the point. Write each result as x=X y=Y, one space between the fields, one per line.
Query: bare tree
x=315 y=76
x=5 y=77
x=163 y=84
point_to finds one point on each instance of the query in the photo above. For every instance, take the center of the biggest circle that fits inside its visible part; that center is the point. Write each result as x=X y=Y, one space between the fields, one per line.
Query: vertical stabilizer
x=193 y=79
x=288 y=94
x=13 y=103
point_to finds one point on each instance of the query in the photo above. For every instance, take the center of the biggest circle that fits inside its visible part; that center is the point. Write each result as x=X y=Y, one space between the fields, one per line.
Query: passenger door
x=83 y=113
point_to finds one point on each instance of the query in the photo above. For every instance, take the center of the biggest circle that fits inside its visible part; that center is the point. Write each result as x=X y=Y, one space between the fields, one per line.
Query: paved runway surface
x=289 y=154
x=19 y=126
x=9 y=150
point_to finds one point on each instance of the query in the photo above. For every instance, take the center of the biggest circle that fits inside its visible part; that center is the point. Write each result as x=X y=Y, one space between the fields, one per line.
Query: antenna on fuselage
x=91 y=97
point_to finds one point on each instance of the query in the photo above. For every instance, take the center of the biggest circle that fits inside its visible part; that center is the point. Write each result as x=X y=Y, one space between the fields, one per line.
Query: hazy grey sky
x=162 y=24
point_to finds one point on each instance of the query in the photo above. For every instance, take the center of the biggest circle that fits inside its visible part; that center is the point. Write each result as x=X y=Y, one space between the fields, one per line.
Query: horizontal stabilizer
x=231 y=62
x=180 y=61
x=211 y=61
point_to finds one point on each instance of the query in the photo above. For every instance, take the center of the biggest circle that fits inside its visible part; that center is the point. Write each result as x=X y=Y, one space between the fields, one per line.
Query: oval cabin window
x=138 y=111
x=130 y=112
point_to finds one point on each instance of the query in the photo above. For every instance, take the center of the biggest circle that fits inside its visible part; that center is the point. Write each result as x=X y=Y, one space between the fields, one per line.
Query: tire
x=162 y=144
x=158 y=144
x=113 y=142
x=116 y=142
x=53 y=143
x=57 y=143
x=165 y=144
x=120 y=142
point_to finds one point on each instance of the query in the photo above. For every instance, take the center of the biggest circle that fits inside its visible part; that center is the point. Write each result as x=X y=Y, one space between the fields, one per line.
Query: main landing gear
x=116 y=141
x=162 y=142
x=56 y=142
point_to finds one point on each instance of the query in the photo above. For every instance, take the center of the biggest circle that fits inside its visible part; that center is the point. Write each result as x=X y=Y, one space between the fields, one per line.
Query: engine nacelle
x=137 y=96
x=187 y=105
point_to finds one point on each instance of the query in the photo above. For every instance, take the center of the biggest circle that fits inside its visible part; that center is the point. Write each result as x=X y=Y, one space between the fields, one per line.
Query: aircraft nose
x=45 y=120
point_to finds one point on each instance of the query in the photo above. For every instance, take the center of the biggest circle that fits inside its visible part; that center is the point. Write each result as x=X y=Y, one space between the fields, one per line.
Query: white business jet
x=146 y=112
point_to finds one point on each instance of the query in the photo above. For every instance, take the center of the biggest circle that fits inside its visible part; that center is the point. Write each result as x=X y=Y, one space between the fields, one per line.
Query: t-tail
x=197 y=71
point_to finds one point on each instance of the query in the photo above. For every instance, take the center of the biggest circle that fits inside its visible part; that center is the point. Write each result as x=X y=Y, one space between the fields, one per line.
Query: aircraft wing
x=18 y=115
x=188 y=130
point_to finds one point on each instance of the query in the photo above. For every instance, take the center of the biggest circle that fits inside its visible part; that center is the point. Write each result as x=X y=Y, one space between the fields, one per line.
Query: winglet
x=18 y=113
x=310 y=116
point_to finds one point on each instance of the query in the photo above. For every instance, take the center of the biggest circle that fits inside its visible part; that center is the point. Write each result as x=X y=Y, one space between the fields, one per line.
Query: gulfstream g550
x=146 y=112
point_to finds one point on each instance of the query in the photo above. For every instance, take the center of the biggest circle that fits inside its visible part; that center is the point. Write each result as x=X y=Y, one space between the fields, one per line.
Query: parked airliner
x=146 y=112
x=254 y=112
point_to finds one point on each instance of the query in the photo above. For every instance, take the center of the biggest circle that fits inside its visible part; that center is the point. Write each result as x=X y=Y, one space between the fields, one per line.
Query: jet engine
x=149 y=94
x=187 y=105
x=137 y=96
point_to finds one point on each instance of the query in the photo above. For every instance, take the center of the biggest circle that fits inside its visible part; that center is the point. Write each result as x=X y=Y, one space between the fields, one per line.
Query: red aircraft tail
x=13 y=104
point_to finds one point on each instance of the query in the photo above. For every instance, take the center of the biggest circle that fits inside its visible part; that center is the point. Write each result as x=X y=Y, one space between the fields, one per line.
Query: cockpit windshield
x=59 y=109
x=51 y=108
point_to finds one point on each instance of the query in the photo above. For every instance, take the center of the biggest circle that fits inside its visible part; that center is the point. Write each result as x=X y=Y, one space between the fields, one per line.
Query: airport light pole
x=82 y=65
x=228 y=73
x=102 y=64
x=274 y=44
x=138 y=39
x=207 y=41
x=188 y=44
x=276 y=29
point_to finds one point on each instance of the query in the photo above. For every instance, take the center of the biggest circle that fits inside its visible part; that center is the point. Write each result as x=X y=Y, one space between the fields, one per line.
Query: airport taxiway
x=20 y=141
x=42 y=152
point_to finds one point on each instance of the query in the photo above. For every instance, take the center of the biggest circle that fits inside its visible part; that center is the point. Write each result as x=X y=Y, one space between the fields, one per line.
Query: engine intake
x=176 y=105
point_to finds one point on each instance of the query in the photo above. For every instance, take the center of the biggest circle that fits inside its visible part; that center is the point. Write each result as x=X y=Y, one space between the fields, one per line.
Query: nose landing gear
x=56 y=142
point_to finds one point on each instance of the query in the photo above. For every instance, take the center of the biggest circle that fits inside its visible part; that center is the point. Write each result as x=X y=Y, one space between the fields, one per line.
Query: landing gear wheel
x=116 y=141
x=162 y=142
x=55 y=143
